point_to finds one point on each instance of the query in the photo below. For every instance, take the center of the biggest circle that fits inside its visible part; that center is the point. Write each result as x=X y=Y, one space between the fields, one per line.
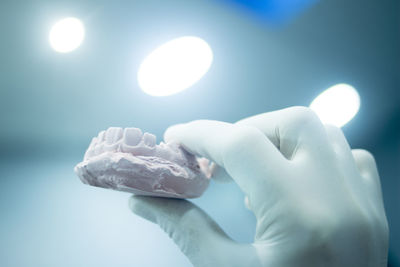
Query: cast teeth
x=128 y=140
x=101 y=136
x=132 y=136
x=149 y=139
x=113 y=135
x=98 y=149
x=90 y=151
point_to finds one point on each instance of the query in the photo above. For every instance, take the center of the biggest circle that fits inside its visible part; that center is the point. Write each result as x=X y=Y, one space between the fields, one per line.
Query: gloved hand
x=317 y=202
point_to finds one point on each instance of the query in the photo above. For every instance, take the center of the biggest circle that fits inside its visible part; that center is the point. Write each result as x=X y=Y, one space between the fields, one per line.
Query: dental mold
x=127 y=160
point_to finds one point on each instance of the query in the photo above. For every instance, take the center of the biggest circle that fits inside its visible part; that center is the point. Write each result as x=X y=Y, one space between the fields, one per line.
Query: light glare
x=175 y=66
x=337 y=105
x=66 y=35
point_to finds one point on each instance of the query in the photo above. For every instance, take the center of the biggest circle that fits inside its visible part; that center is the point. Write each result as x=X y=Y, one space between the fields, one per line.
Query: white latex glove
x=317 y=202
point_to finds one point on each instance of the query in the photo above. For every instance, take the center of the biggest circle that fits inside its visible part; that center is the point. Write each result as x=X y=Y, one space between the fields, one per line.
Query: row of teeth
x=116 y=139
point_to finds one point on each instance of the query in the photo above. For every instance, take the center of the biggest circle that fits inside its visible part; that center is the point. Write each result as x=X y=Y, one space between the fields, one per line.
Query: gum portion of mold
x=127 y=160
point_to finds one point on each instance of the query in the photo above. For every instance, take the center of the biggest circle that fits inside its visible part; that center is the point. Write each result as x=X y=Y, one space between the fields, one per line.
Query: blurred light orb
x=175 y=66
x=67 y=35
x=337 y=105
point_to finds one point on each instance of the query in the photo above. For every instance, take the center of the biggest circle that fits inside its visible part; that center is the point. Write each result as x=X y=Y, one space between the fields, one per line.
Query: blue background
x=265 y=58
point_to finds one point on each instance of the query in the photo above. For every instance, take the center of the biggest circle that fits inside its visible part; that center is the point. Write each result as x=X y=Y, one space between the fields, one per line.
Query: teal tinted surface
x=49 y=218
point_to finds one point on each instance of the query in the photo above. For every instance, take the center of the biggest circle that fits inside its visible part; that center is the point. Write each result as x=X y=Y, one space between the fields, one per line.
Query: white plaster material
x=127 y=160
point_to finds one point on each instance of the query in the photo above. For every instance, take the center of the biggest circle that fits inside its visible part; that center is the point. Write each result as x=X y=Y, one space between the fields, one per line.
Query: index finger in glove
x=245 y=152
x=291 y=129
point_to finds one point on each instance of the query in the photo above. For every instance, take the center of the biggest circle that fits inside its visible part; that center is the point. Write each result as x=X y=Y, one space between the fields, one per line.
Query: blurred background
x=267 y=55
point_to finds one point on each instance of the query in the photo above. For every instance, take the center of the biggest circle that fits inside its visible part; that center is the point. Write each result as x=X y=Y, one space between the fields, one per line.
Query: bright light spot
x=337 y=105
x=175 y=66
x=66 y=35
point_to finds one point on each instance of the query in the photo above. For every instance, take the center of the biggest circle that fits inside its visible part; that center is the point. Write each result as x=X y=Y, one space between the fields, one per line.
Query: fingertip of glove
x=137 y=205
x=133 y=203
